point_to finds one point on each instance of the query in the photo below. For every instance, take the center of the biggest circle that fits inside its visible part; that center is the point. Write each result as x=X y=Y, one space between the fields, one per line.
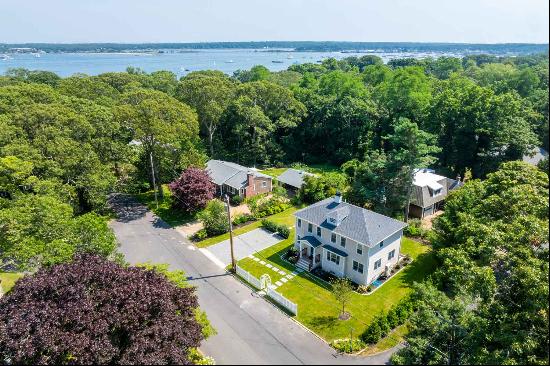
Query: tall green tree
x=165 y=128
x=210 y=96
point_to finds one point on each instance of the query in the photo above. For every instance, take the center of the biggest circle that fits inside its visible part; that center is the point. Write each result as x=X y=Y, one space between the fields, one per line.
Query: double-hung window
x=309 y=228
x=358 y=267
x=333 y=257
x=391 y=254
x=299 y=223
x=342 y=241
x=318 y=231
x=333 y=238
x=377 y=264
x=359 y=249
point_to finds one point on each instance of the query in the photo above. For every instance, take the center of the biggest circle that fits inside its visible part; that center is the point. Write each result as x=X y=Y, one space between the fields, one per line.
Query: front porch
x=309 y=253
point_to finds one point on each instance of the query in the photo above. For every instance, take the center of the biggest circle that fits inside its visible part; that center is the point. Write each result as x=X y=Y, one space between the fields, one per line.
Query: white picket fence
x=274 y=295
x=283 y=301
x=249 y=278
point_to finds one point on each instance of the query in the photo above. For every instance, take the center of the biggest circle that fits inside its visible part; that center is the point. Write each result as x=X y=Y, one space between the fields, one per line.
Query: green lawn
x=317 y=308
x=286 y=217
x=274 y=172
x=8 y=279
x=312 y=168
x=173 y=217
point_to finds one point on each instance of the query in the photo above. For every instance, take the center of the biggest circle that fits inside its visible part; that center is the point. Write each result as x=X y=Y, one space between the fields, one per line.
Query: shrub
x=317 y=188
x=192 y=190
x=241 y=219
x=362 y=289
x=372 y=334
x=393 y=318
x=279 y=191
x=236 y=200
x=415 y=229
x=383 y=323
x=214 y=218
x=269 y=225
x=93 y=318
x=199 y=235
x=267 y=207
x=283 y=231
x=343 y=345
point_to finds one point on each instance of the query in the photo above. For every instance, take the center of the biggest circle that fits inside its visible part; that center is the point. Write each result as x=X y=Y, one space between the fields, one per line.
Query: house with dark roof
x=429 y=191
x=293 y=179
x=347 y=240
x=234 y=179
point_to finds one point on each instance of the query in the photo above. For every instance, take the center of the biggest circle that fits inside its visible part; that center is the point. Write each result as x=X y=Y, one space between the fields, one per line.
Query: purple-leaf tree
x=192 y=190
x=94 y=311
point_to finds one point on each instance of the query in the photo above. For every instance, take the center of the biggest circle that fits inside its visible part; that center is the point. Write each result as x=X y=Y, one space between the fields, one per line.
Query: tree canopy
x=93 y=311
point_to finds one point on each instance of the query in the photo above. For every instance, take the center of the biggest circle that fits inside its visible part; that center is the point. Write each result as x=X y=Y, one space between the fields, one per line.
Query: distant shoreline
x=276 y=46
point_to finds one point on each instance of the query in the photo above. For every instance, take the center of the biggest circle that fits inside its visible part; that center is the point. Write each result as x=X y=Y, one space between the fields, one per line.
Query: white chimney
x=338 y=197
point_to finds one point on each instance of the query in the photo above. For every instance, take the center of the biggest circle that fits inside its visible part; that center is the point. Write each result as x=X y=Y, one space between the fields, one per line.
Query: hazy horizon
x=205 y=21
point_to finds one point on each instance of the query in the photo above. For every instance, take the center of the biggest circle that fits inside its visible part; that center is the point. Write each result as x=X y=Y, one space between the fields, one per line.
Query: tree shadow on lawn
x=420 y=268
x=325 y=322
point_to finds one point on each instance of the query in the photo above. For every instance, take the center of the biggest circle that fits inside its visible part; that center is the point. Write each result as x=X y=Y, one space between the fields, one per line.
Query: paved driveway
x=250 y=330
x=244 y=245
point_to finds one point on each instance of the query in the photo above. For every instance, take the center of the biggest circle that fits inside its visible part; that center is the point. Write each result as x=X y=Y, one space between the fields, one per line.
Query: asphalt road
x=250 y=330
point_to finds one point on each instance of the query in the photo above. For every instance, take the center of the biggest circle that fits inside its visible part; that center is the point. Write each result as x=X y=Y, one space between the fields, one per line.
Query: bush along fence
x=271 y=293
x=282 y=230
x=384 y=323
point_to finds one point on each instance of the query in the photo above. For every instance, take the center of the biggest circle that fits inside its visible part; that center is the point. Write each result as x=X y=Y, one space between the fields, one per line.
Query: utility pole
x=233 y=266
x=154 y=182
x=351 y=340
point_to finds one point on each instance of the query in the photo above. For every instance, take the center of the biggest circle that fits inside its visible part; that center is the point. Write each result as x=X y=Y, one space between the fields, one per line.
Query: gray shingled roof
x=231 y=174
x=293 y=177
x=361 y=225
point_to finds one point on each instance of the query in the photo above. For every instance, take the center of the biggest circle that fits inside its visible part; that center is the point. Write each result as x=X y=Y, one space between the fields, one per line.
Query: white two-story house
x=347 y=240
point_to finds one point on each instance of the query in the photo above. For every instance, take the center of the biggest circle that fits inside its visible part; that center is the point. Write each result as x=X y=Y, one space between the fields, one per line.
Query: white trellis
x=265 y=282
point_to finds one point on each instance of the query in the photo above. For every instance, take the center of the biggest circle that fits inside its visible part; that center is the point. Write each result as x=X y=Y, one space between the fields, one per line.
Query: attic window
x=436 y=192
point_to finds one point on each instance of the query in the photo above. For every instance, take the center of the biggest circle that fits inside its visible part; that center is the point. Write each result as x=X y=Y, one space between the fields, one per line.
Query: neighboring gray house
x=347 y=240
x=535 y=156
x=293 y=179
x=234 y=179
x=429 y=191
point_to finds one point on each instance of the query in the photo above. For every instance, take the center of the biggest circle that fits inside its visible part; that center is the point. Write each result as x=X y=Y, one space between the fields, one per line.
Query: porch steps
x=303 y=264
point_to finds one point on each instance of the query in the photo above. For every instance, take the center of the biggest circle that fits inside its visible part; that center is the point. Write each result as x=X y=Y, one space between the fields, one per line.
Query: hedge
x=383 y=323
x=282 y=230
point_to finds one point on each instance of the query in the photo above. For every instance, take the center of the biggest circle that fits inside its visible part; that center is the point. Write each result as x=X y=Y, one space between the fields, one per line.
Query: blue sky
x=471 y=21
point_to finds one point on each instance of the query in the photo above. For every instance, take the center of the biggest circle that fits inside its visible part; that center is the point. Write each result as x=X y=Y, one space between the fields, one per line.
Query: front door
x=304 y=252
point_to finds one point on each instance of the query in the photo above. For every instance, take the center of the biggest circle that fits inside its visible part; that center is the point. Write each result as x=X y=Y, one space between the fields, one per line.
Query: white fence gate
x=277 y=297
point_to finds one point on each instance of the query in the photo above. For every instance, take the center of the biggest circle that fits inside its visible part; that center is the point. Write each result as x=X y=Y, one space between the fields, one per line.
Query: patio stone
x=274 y=269
x=256 y=259
x=279 y=283
x=283 y=280
x=262 y=262
x=268 y=265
